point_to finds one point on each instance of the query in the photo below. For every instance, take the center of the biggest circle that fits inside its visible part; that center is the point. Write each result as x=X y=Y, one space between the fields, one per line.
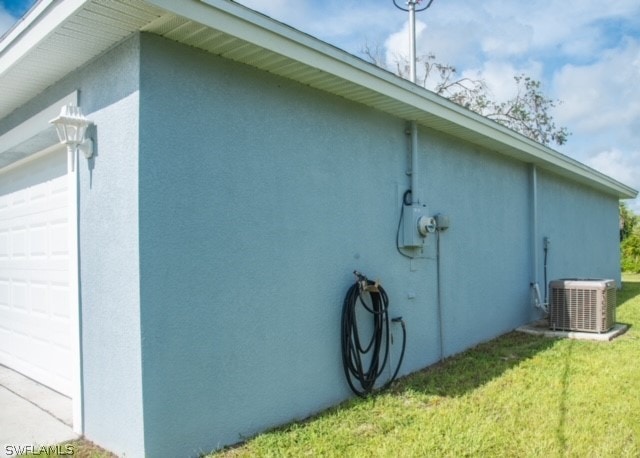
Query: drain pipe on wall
x=538 y=301
x=534 y=223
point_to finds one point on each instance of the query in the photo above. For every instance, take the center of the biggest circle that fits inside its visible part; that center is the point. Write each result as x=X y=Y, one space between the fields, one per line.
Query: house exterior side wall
x=108 y=245
x=258 y=198
x=583 y=227
x=485 y=254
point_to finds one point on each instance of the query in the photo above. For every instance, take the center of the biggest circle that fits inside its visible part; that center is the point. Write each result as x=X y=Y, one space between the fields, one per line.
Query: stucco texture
x=220 y=223
x=108 y=245
x=259 y=196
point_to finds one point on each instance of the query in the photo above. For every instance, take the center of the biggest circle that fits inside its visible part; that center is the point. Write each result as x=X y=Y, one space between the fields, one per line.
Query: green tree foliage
x=629 y=240
x=628 y=221
x=528 y=112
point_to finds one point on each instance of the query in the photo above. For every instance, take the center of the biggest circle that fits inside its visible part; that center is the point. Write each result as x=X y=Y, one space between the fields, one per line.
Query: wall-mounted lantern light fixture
x=71 y=126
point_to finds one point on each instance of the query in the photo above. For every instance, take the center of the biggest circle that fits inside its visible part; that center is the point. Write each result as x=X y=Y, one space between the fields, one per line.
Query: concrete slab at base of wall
x=541 y=328
x=31 y=414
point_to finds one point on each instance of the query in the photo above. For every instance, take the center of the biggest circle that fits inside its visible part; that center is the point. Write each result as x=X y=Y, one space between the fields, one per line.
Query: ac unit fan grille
x=582 y=305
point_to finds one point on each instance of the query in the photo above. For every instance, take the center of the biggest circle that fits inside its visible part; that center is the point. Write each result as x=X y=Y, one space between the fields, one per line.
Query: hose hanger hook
x=364 y=360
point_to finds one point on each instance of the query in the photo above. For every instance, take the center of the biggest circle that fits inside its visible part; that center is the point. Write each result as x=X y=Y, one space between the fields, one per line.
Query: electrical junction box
x=442 y=222
x=416 y=225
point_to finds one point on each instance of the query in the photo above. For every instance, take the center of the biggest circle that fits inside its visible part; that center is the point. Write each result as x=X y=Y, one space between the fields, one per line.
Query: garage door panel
x=39 y=298
x=24 y=264
x=18 y=292
x=35 y=312
x=18 y=242
x=59 y=245
x=48 y=330
x=4 y=293
x=38 y=245
x=60 y=301
x=18 y=201
x=4 y=243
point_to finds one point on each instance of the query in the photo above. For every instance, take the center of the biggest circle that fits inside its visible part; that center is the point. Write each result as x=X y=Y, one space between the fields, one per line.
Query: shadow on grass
x=630 y=289
x=475 y=367
x=562 y=417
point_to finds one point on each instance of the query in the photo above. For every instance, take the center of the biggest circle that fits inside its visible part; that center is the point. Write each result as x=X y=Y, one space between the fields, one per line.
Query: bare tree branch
x=528 y=112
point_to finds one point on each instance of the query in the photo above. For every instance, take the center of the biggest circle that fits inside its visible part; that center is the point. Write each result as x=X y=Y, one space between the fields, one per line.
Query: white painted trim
x=35 y=124
x=74 y=272
x=38 y=25
x=401 y=96
x=260 y=30
x=15 y=136
x=24 y=23
x=30 y=158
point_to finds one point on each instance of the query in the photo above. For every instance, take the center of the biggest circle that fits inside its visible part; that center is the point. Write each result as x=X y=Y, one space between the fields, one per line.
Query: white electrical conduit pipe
x=414 y=126
x=535 y=287
x=414 y=164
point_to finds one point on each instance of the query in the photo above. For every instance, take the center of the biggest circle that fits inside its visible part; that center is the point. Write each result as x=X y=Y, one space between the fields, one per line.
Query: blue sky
x=585 y=52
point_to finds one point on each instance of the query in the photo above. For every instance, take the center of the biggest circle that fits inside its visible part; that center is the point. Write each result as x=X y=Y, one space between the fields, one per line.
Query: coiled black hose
x=354 y=353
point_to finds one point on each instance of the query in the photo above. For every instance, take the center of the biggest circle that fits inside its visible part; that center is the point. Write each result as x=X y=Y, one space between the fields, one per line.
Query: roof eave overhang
x=235 y=32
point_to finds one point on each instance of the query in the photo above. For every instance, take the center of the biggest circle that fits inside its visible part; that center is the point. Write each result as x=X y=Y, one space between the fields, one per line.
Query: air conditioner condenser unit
x=582 y=305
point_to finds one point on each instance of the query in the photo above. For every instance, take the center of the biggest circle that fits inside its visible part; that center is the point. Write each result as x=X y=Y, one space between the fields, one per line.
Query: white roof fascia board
x=23 y=23
x=248 y=25
x=263 y=31
x=416 y=103
x=37 y=26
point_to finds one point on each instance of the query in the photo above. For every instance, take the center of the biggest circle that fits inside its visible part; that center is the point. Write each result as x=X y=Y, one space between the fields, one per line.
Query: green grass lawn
x=518 y=395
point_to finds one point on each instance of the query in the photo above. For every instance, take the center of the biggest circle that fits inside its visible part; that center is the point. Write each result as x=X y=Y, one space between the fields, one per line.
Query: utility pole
x=412 y=6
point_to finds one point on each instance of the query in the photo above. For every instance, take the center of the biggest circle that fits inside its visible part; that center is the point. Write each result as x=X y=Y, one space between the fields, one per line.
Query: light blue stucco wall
x=583 y=228
x=485 y=254
x=108 y=245
x=258 y=197
x=109 y=272
x=221 y=220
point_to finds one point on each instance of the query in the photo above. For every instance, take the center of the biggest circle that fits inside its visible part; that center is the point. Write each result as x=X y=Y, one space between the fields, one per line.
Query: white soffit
x=58 y=36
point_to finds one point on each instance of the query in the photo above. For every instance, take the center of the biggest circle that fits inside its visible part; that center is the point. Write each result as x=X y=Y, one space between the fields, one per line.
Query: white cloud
x=623 y=166
x=499 y=76
x=466 y=33
x=602 y=95
x=585 y=53
x=397 y=44
x=561 y=24
x=282 y=10
x=297 y=14
x=348 y=24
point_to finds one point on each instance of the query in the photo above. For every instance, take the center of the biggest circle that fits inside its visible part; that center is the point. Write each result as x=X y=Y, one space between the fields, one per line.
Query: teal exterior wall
x=108 y=244
x=485 y=254
x=583 y=226
x=222 y=218
x=258 y=198
x=109 y=255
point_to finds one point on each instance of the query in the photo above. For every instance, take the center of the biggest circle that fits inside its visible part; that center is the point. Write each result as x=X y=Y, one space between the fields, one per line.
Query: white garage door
x=36 y=334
